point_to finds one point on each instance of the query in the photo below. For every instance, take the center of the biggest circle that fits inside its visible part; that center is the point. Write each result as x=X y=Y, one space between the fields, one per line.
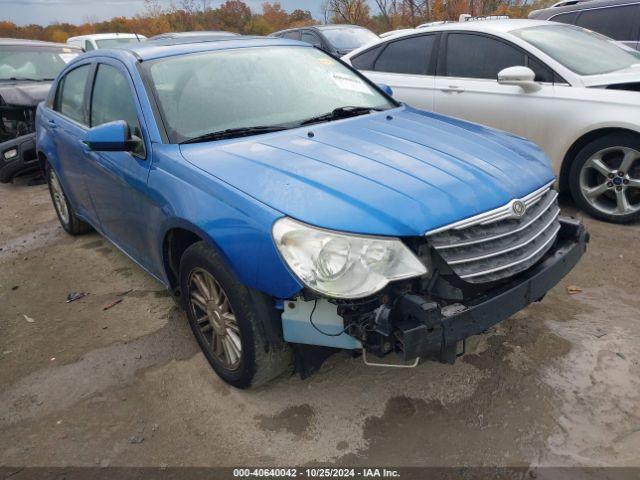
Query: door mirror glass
x=522 y=77
x=111 y=137
x=386 y=89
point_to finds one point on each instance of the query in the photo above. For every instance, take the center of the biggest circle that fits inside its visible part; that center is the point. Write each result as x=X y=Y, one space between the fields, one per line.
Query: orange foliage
x=236 y=16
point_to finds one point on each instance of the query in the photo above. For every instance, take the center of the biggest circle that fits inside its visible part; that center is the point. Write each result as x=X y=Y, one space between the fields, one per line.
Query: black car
x=336 y=40
x=617 y=19
x=27 y=69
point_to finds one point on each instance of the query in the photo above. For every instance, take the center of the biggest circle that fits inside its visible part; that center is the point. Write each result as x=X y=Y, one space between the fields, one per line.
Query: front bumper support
x=427 y=330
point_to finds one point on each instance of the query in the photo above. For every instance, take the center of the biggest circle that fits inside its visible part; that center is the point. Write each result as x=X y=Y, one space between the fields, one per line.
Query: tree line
x=237 y=16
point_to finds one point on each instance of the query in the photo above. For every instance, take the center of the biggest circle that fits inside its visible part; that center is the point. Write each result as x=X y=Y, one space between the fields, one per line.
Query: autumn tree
x=234 y=15
x=349 y=11
x=274 y=15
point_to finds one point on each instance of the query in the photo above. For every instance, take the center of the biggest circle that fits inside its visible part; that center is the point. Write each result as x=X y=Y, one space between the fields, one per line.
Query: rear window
x=70 y=100
x=409 y=55
x=364 y=61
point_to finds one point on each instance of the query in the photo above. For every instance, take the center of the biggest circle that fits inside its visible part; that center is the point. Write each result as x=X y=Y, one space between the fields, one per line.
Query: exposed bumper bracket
x=426 y=330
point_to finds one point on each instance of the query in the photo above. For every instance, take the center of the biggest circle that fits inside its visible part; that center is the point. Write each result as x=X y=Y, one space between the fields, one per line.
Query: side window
x=88 y=46
x=569 y=17
x=311 y=38
x=70 y=96
x=112 y=99
x=617 y=22
x=543 y=73
x=409 y=55
x=365 y=60
x=476 y=56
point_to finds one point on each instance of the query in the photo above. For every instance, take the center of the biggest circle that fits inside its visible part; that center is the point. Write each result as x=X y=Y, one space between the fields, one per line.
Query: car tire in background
x=234 y=325
x=604 y=178
x=66 y=214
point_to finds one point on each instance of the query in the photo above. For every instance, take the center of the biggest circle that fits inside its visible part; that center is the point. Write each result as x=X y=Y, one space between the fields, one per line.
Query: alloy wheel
x=215 y=319
x=59 y=200
x=610 y=180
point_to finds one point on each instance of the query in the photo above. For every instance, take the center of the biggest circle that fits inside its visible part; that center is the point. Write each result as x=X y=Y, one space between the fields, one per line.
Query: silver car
x=573 y=92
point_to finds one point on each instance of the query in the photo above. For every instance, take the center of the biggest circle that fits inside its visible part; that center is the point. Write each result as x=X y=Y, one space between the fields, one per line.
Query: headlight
x=342 y=265
x=9 y=154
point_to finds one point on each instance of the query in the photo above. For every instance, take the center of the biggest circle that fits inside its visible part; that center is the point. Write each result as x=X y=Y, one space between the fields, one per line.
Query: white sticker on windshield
x=67 y=57
x=347 y=82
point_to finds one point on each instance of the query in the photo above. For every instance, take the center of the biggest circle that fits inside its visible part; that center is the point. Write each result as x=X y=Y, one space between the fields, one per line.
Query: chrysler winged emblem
x=519 y=208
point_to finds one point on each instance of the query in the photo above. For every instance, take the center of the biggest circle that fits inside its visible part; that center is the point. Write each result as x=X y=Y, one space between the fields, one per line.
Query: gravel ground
x=557 y=384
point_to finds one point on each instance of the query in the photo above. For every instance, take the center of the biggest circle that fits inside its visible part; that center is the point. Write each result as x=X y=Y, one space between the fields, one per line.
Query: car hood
x=400 y=172
x=24 y=94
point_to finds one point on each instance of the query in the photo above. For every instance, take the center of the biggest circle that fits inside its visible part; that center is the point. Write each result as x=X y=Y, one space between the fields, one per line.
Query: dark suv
x=336 y=40
x=617 y=19
x=27 y=69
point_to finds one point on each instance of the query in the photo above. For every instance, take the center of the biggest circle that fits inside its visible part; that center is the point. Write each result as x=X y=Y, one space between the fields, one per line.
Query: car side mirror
x=111 y=137
x=386 y=89
x=522 y=77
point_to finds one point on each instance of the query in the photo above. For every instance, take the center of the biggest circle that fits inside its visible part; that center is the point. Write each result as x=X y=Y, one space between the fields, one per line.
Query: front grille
x=496 y=244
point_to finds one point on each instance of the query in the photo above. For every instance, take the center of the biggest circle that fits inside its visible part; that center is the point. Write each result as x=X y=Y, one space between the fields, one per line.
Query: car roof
x=331 y=26
x=576 y=5
x=195 y=33
x=103 y=36
x=171 y=47
x=328 y=26
x=33 y=43
x=486 y=26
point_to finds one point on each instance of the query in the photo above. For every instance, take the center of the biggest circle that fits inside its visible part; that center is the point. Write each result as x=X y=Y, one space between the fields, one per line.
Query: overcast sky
x=44 y=12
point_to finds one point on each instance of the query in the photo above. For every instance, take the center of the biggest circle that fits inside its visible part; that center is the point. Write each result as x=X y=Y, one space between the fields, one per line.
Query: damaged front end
x=17 y=131
x=480 y=272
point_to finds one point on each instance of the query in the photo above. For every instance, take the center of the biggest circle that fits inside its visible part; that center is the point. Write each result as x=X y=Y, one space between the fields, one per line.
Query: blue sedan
x=290 y=204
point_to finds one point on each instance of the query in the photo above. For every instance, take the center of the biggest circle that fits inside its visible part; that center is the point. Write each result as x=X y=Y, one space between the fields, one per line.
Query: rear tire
x=604 y=178
x=230 y=321
x=66 y=214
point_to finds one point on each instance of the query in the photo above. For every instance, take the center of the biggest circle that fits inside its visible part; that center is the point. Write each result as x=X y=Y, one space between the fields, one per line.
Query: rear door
x=467 y=86
x=69 y=119
x=407 y=65
x=117 y=180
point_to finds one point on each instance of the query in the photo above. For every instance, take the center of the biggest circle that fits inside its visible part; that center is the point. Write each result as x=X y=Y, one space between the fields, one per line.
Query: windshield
x=580 y=50
x=349 y=38
x=249 y=87
x=33 y=63
x=114 y=42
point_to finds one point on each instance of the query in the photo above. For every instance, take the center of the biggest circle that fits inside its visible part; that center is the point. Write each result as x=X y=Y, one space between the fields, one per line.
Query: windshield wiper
x=234 y=133
x=340 y=112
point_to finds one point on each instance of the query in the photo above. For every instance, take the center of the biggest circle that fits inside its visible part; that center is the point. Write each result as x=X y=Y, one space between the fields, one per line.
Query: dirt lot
x=557 y=384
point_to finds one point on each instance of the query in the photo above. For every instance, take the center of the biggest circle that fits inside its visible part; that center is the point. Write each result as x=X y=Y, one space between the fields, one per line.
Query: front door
x=117 y=180
x=467 y=87
x=70 y=122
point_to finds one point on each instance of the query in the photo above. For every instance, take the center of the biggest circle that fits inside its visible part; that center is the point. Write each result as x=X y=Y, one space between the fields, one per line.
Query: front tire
x=230 y=321
x=604 y=178
x=66 y=214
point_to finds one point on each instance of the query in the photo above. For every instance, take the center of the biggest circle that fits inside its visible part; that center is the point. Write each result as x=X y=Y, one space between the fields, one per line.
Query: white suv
x=105 y=40
x=573 y=92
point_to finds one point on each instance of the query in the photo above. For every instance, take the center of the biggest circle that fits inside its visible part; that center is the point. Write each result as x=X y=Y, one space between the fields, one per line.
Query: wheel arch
x=586 y=138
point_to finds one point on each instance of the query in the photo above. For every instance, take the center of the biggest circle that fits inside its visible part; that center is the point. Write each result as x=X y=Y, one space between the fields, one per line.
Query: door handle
x=52 y=124
x=452 y=89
